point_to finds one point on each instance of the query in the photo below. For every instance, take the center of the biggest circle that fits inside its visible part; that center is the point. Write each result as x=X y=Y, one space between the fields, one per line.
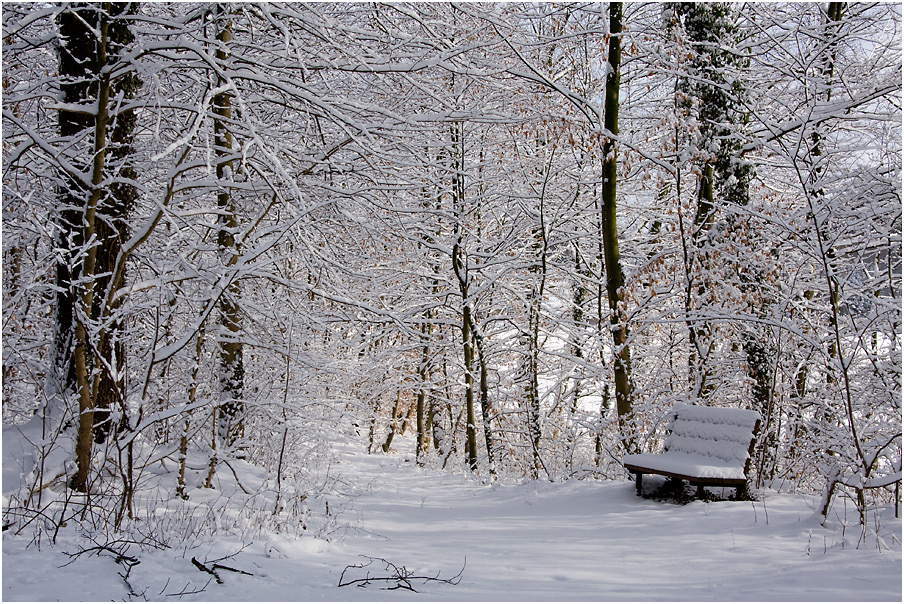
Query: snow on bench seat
x=705 y=446
x=698 y=466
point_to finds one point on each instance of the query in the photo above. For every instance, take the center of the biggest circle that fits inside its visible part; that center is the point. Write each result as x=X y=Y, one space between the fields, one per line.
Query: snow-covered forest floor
x=573 y=540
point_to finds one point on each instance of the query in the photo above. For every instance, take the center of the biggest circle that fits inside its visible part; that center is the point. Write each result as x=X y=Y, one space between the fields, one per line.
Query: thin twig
x=188 y=593
x=399 y=575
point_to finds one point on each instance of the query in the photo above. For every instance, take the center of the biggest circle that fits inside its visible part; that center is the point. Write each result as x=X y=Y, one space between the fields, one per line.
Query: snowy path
x=592 y=541
x=541 y=541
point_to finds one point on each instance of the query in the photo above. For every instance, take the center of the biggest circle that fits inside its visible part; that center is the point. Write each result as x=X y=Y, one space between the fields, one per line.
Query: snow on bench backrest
x=712 y=432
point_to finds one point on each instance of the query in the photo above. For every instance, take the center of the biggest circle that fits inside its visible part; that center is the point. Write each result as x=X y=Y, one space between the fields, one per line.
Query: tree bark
x=699 y=332
x=85 y=435
x=230 y=423
x=393 y=422
x=832 y=18
x=78 y=65
x=479 y=344
x=615 y=278
x=460 y=268
x=112 y=231
x=423 y=372
x=471 y=429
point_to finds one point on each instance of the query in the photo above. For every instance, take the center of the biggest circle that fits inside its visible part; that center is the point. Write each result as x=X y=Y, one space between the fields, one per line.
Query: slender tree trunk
x=535 y=299
x=423 y=372
x=192 y=395
x=471 y=428
x=615 y=278
x=699 y=331
x=285 y=424
x=538 y=274
x=579 y=292
x=408 y=419
x=823 y=91
x=81 y=353
x=112 y=231
x=212 y=466
x=13 y=268
x=485 y=398
x=460 y=267
x=393 y=422
x=602 y=326
x=230 y=425
x=827 y=255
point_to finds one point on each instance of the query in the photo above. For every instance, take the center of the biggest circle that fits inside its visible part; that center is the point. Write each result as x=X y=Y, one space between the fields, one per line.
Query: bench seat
x=684 y=466
x=707 y=446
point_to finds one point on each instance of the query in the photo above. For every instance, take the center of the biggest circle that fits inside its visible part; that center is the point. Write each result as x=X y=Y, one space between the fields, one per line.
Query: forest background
x=523 y=232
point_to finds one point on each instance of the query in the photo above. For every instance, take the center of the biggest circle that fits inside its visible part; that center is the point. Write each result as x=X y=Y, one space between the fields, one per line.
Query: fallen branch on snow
x=212 y=570
x=398 y=577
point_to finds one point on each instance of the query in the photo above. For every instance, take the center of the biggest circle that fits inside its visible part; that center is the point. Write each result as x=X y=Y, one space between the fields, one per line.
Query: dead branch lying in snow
x=395 y=577
x=212 y=570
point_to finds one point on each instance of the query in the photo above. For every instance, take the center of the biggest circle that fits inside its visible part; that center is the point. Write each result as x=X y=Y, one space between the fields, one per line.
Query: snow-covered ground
x=577 y=540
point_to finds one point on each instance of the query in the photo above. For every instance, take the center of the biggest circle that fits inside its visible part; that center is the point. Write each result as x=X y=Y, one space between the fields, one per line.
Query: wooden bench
x=707 y=446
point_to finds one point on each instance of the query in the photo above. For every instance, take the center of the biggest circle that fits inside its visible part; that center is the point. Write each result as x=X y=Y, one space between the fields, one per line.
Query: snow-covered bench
x=707 y=446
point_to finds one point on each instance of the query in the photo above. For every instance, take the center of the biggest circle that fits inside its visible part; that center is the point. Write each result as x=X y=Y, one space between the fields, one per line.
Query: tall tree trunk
x=815 y=199
x=534 y=430
x=423 y=372
x=480 y=345
x=471 y=428
x=112 y=231
x=425 y=399
x=615 y=279
x=460 y=267
x=78 y=65
x=81 y=352
x=832 y=19
x=192 y=396
x=699 y=331
x=230 y=422
x=539 y=271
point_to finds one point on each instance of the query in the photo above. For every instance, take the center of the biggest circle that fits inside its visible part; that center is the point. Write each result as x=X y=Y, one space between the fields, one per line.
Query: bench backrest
x=725 y=434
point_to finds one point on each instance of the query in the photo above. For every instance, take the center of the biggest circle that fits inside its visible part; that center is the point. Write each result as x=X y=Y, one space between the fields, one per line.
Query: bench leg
x=701 y=491
x=638 y=479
